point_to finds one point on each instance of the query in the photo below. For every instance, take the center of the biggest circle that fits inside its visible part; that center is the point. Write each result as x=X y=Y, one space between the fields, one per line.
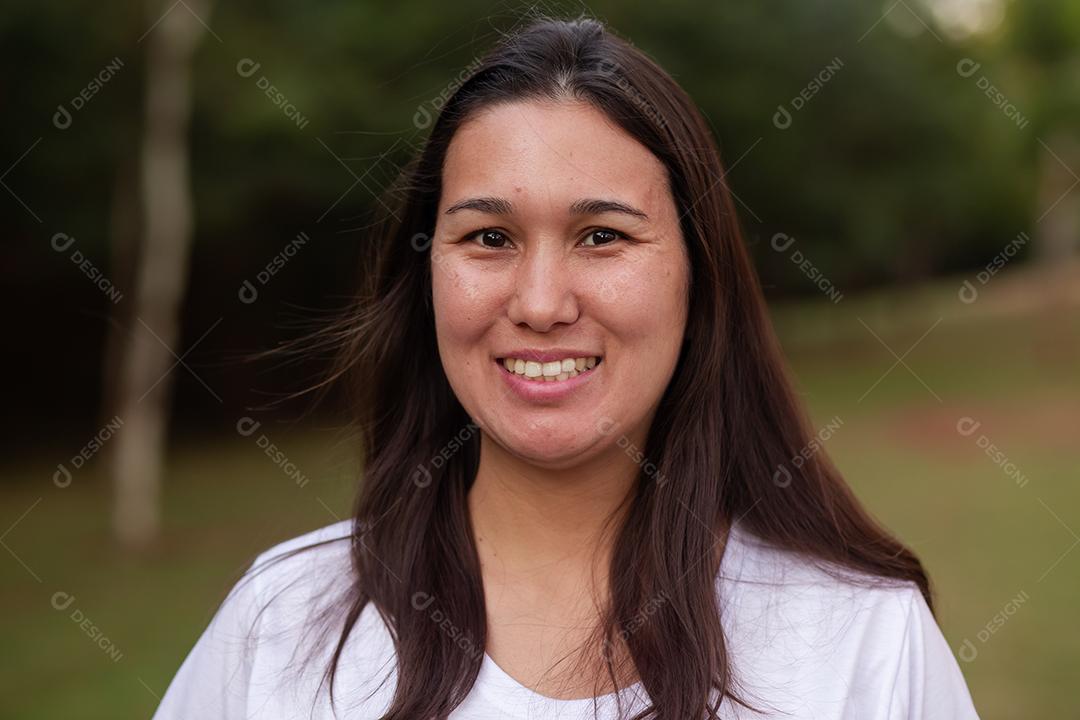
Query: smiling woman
x=583 y=290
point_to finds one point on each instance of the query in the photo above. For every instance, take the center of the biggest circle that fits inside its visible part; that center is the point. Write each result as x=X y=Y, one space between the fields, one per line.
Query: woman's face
x=557 y=241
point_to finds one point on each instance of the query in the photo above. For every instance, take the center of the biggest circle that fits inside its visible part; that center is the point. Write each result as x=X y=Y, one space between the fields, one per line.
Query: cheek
x=464 y=300
x=642 y=301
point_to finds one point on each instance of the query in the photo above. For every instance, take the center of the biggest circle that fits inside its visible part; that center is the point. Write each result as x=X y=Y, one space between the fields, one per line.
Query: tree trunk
x=124 y=230
x=145 y=381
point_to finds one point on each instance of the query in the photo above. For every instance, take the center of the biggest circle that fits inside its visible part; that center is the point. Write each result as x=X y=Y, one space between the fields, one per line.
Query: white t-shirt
x=801 y=643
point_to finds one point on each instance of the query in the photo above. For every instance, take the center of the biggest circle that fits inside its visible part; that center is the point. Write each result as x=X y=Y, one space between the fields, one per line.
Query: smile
x=553 y=371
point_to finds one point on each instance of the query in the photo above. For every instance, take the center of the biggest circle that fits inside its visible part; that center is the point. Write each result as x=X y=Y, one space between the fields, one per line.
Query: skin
x=551 y=474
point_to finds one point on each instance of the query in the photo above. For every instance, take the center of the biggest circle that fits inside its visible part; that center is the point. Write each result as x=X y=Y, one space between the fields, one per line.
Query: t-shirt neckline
x=502 y=688
x=513 y=694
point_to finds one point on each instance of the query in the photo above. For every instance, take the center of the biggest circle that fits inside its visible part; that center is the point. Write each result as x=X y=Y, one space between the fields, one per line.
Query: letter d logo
x=62 y=118
x=422 y=600
x=246 y=426
x=782 y=118
x=62 y=600
x=968 y=294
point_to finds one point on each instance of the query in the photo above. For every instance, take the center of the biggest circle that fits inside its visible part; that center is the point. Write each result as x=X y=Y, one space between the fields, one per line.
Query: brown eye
x=602 y=237
x=491 y=238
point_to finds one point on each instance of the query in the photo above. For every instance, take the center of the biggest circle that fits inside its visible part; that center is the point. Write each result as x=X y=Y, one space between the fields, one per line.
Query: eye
x=602 y=236
x=497 y=239
x=490 y=238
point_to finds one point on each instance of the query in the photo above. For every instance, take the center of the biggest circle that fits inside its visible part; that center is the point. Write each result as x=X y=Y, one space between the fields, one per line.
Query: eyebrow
x=588 y=206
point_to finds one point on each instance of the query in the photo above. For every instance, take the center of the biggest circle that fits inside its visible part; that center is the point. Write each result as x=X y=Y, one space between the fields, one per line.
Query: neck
x=528 y=520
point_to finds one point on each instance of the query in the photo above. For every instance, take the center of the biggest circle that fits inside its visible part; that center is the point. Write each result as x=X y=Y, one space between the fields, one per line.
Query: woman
x=589 y=489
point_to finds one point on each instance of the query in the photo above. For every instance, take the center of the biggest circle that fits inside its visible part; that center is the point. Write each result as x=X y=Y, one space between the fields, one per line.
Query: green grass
x=983 y=538
x=224 y=502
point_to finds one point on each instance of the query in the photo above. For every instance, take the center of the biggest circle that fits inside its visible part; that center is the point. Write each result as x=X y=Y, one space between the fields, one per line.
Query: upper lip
x=549 y=355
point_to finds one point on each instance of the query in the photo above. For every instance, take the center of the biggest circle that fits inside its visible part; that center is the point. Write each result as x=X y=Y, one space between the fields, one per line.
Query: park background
x=186 y=183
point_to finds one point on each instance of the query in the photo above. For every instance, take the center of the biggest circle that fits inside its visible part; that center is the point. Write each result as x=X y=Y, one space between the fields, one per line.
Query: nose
x=544 y=289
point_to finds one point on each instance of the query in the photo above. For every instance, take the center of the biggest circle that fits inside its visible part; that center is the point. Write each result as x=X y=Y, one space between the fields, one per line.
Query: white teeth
x=553 y=371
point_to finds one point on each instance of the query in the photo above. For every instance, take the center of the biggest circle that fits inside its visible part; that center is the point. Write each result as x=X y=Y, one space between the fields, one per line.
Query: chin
x=554 y=452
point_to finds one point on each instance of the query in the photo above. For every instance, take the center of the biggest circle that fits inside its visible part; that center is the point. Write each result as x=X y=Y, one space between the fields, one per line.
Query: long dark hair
x=730 y=440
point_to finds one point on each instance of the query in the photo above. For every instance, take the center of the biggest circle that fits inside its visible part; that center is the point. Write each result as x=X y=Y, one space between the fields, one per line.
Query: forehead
x=551 y=151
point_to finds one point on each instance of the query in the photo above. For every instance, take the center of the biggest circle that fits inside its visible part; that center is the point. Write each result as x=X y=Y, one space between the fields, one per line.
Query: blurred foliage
x=896 y=168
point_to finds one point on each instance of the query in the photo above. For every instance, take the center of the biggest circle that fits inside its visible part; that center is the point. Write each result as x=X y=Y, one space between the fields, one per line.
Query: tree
x=161 y=274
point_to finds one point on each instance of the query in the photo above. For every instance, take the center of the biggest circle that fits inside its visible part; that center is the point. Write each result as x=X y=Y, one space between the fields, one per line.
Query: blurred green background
x=906 y=174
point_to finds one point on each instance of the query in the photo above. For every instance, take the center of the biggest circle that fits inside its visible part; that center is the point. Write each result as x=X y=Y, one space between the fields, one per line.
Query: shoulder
x=754 y=559
x=285 y=578
x=838 y=636
x=298 y=562
x=329 y=540
x=295 y=590
x=243 y=657
x=782 y=586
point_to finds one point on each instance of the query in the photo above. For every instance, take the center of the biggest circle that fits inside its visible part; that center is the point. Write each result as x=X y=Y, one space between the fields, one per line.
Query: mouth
x=549 y=372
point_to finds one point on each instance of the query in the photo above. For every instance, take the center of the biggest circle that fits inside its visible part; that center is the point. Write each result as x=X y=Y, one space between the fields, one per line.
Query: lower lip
x=541 y=391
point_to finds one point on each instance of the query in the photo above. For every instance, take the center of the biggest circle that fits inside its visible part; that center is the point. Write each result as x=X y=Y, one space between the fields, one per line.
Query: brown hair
x=728 y=439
